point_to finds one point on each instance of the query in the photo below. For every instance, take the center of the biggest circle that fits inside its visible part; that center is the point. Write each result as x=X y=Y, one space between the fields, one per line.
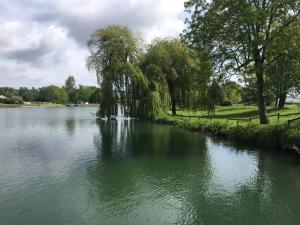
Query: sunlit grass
x=224 y=114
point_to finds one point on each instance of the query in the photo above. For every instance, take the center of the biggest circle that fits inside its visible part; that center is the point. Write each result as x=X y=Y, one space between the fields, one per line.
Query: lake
x=58 y=166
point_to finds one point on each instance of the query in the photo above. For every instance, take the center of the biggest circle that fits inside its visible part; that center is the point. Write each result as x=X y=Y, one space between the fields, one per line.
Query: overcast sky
x=42 y=42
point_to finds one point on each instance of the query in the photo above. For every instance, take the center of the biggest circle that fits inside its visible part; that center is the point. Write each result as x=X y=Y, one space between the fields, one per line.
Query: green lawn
x=223 y=113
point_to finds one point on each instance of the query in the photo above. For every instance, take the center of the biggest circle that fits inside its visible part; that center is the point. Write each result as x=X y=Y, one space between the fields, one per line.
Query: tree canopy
x=143 y=81
x=175 y=67
x=223 y=38
x=114 y=51
x=239 y=35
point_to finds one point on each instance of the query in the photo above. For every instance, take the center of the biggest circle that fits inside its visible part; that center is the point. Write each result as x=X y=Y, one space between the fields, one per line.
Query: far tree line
x=224 y=93
x=69 y=93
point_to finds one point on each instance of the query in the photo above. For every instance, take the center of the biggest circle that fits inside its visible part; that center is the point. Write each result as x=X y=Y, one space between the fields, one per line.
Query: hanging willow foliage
x=114 y=53
x=144 y=85
x=181 y=72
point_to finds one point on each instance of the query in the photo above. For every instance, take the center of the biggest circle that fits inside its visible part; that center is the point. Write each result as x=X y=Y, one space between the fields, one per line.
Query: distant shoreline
x=43 y=105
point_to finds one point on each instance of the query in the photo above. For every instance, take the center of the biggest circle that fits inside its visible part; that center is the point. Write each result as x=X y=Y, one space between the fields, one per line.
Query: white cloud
x=18 y=36
x=42 y=42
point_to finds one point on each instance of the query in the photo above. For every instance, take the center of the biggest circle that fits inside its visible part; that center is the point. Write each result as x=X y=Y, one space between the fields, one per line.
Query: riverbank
x=276 y=135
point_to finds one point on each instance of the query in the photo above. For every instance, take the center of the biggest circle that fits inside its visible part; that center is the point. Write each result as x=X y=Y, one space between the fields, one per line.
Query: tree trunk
x=172 y=95
x=282 y=100
x=173 y=106
x=276 y=101
x=260 y=93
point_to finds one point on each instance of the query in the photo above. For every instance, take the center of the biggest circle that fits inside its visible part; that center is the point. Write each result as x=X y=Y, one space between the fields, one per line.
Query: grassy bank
x=234 y=123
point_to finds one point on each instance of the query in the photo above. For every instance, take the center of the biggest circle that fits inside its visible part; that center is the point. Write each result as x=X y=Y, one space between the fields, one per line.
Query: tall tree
x=85 y=93
x=70 y=83
x=172 y=59
x=215 y=92
x=70 y=87
x=238 y=34
x=113 y=53
x=27 y=94
x=54 y=94
x=283 y=75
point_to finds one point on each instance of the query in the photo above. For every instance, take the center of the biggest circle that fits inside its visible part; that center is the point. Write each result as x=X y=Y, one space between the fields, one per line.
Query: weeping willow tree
x=179 y=72
x=111 y=50
x=114 y=55
x=143 y=84
x=194 y=95
x=148 y=98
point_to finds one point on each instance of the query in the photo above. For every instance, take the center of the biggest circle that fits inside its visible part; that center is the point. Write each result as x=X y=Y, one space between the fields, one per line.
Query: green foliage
x=95 y=97
x=73 y=96
x=70 y=87
x=28 y=95
x=249 y=94
x=239 y=35
x=7 y=91
x=112 y=50
x=70 y=83
x=139 y=83
x=283 y=75
x=274 y=136
x=291 y=139
x=69 y=93
x=55 y=94
x=215 y=92
x=232 y=92
x=175 y=69
x=85 y=93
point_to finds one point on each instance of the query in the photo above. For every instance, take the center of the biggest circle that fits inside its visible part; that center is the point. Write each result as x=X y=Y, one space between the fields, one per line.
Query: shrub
x=291 y=138
x=226 y=103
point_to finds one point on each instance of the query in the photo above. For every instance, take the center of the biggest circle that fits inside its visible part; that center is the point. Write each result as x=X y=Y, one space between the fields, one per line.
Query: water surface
x=61 y=167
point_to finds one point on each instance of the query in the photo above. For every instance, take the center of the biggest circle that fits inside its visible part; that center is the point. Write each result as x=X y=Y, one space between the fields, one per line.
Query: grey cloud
x=45 y=13
x=137 y=16
x=32 y=55
x=81 y=28
x=2 y=7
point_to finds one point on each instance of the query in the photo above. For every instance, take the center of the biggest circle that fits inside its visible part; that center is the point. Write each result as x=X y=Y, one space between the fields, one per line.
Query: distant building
x=2 y=97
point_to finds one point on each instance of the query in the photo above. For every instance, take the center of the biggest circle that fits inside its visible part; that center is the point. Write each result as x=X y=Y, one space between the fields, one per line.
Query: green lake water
x=58 y=166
